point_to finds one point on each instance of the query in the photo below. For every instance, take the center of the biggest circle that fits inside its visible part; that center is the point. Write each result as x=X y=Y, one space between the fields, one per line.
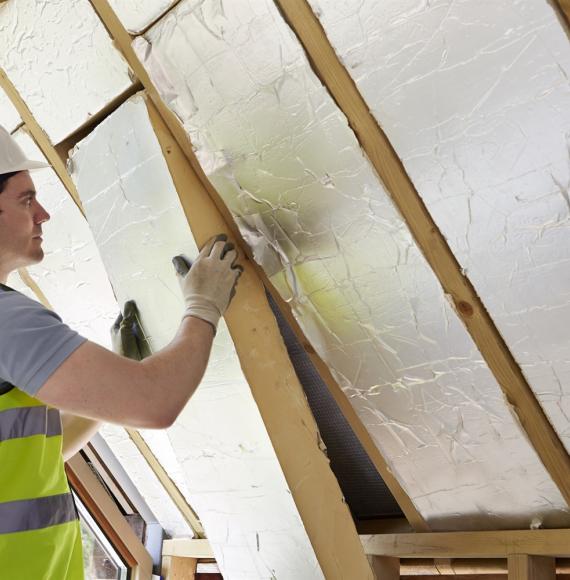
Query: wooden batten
x=483 y=569
x=524 y=567
x=34 y=287
x=174 y=568
x=171 y=488
x=468 y=305
x=501 y=544
x=186 y=548
x=63 y=147
x=564 y=6
x=385 y=568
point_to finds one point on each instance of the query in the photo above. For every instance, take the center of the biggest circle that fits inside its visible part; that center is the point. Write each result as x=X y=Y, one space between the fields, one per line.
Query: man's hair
x=4 y=179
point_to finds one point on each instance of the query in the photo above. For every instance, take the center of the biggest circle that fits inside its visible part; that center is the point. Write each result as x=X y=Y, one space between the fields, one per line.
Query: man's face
x=21 y=219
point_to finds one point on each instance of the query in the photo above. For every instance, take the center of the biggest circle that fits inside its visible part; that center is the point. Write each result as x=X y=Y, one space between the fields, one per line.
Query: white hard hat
x=12 y=158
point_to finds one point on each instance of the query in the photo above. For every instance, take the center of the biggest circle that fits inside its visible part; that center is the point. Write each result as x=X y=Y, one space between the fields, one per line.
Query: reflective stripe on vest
x=28 y=421
x=35 y=514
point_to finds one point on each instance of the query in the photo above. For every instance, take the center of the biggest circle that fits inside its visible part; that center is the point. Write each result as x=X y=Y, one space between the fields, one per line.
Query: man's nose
x=41 y=215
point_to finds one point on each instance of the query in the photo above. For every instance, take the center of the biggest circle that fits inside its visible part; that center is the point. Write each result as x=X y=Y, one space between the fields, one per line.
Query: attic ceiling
x=474 y=97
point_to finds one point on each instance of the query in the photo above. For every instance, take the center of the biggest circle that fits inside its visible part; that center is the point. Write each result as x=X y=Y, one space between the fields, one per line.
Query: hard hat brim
x=25 y=165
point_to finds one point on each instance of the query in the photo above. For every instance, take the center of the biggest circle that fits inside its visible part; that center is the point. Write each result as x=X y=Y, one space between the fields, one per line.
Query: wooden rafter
x=123 y=42
x=455 y=284
x=63 y=147
x=33 y=286
x=470 y=544
x=171 y=488
x=40 y=137
x=564 y=6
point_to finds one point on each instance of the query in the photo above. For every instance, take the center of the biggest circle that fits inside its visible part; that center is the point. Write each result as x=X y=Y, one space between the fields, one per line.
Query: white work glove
x=209 y=284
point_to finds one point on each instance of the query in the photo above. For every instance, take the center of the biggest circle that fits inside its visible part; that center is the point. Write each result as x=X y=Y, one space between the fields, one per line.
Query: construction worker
x=45 y=368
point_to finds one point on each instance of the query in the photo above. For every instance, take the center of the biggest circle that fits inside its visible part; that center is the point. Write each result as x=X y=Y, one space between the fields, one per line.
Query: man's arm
x=77 y=432
x=96 y=383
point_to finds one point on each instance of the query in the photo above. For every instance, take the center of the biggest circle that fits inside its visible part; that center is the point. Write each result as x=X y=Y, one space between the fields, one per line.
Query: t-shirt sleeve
x=34 y=342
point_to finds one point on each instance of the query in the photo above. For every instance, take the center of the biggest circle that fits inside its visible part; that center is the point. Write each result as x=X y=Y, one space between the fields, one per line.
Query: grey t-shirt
x=34 y=341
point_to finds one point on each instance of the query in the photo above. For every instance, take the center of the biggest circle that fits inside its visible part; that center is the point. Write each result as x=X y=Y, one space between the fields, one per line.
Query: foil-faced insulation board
x=9 y=116
x=320 y=223
x=74 y=281
x=234 y=479
x=61 y=60
x=136 y=15
x=475 y=97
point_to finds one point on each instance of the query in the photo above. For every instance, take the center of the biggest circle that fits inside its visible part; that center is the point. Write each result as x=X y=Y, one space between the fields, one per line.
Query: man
x=46 y=367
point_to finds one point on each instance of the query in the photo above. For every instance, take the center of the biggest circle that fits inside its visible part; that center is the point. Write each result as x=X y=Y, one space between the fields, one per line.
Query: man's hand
x=150 y=393
x=210 y=283
x=127 y=335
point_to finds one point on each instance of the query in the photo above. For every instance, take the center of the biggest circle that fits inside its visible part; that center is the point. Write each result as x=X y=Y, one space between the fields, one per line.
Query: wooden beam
x=187 y=548
x=524 y=567
x=481 y=567
x=174 y=568
x=172 y=7
x=455 y=284
x=63 y=147
x=171 y=488
x=564 y=7
x=444 y=566
x=33 y=286
x=385 y=568
x=40 y=137
x=467 y=577
x=108 y=516
x=458 y=567
x=274 y=385
x=470 y=544
x=384 y=526
x=123 y=42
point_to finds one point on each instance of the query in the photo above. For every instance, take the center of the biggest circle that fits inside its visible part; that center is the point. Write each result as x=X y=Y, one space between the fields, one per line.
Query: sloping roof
x=399 y=173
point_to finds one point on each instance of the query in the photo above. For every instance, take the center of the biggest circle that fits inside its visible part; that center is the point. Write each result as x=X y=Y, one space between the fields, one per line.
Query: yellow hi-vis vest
x=40 y=537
